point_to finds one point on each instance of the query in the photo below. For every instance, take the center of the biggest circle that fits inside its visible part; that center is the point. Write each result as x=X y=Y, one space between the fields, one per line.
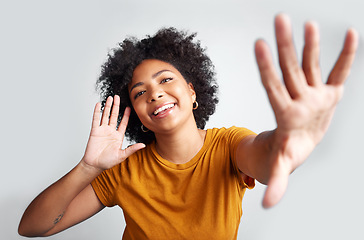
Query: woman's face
x=160 y=95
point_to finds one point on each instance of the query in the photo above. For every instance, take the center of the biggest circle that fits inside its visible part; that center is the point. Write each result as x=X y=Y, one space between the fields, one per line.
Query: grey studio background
x=51 y=53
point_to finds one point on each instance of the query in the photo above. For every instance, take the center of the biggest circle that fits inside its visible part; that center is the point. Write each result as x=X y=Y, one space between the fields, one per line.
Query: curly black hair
x=177 y=48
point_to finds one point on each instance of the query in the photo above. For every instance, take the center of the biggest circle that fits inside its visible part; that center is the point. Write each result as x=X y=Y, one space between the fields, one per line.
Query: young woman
x=180 y=181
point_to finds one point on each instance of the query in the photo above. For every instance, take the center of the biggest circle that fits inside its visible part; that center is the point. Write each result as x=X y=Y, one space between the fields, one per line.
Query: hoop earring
x=195 y=105
x=144 y=129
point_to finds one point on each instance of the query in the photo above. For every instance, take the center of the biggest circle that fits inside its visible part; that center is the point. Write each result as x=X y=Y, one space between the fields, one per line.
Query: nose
x=154 y=94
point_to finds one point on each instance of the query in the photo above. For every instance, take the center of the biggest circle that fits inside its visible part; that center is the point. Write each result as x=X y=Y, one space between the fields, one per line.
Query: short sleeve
x=106 y=184
x=234 y=136
x=247 y=181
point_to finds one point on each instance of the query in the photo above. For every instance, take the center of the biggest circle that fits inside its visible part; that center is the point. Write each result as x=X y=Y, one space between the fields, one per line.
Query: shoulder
x=138 y=159
x=226 y=139
x=230 y=133
x=133 y=161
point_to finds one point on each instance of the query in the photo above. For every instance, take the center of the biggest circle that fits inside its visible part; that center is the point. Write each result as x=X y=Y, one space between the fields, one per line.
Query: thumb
x=276 y=188
x=131 y=149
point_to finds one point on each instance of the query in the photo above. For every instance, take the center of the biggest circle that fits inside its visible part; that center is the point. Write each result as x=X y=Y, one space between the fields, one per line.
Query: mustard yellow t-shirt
x=201 y=199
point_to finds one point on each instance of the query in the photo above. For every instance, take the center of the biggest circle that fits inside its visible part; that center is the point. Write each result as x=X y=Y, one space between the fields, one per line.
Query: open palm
x=303 y=105
x=103 y=149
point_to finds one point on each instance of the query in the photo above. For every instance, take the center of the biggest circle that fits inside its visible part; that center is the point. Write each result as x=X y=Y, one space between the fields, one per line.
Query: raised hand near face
x=303 y=105
x=103 y=149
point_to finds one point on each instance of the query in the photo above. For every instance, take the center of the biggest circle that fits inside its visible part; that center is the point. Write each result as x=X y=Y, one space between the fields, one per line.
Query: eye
x=166 y=80
x=139 y=94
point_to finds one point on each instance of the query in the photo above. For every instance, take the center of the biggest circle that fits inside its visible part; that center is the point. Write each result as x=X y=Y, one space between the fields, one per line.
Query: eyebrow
x=153 y=76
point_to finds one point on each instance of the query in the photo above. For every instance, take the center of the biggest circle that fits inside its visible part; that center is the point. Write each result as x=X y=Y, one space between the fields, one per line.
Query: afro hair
x=177 y=48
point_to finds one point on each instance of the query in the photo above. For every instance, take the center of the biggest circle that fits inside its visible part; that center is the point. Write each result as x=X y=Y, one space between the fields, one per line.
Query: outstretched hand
x=103 y=149
x=303 y=105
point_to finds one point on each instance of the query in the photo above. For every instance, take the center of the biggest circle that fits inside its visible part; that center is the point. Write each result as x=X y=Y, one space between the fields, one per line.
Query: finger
x=124 y=121
x=131 y=149
x=276 y=91
x=342 y=66
x=106 y=112
x=311 y=55
x=277 y=186
x=96 y=115
x=292 y=73
x=115 y=111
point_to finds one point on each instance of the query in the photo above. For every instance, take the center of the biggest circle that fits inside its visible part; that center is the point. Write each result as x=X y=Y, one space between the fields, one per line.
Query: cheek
x=183 y=92
x=140 y=111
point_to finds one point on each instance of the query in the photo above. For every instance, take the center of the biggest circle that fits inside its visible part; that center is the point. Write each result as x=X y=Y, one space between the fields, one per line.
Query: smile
x=163 y=108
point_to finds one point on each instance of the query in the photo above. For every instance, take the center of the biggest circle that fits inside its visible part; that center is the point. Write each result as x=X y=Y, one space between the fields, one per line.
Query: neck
x=181 y=145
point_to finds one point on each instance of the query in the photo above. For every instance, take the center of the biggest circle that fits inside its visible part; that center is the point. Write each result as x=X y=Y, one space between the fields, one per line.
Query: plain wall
x=50 y=58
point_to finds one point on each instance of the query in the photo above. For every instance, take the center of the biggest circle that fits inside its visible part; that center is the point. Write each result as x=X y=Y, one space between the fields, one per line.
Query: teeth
x=163 y=108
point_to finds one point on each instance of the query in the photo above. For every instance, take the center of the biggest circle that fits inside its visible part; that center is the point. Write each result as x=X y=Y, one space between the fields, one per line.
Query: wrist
x=89 y=169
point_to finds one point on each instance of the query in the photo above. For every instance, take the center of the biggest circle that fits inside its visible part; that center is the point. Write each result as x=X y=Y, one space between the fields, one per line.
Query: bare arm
x=84 y=206
x=71 y=199
x=303 y=107
x=65 y=203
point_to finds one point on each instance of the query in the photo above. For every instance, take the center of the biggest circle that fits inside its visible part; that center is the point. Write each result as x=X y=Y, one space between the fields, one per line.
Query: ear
x=192 y=91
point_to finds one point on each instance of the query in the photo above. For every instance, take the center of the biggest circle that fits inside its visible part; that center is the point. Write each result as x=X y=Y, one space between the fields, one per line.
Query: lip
x=165 y=112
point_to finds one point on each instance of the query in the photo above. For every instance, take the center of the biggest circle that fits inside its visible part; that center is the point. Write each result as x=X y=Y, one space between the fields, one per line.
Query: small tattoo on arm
x=58 y=218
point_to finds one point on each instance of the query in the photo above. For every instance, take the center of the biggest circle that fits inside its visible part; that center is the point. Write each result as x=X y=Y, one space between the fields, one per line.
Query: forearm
x=257 y=155
x=103 y=151
x=269 y=150
x=48 y=208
